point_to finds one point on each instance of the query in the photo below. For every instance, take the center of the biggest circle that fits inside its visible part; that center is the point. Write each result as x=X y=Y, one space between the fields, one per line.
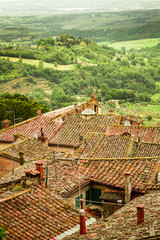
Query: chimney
x=39 y=167
x=5 y=124
x=21 y=157
x=80 y=139
x=43 y=139
x=76 y=107
x=128 y=187
x=82 y=219
x=140 y=214
x=39 y=112
x=158 y=178
x=15 y=137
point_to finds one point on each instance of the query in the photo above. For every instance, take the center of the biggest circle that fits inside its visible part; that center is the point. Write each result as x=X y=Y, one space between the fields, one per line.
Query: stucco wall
x=6 y=166
x=71 y=198
x=4 y=145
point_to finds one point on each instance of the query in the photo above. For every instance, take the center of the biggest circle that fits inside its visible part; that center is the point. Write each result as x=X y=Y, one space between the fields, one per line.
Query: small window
x=77 y=201
x=88 y=196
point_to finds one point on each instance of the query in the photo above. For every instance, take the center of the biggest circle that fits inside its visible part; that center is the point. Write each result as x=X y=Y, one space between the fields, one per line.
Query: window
x=88 y=196
x=77 y=201
x=96 y=193
x=93 y=194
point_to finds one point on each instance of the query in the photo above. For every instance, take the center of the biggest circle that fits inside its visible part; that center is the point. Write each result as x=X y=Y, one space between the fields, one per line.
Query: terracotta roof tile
x=100 y=145
x=30 y=127
x=123 y=223
x=146 y=134
x=112 y=171
x=32 y=150
x=65 y=179
x=147 y=150
x=76 y=125
x=36 y=214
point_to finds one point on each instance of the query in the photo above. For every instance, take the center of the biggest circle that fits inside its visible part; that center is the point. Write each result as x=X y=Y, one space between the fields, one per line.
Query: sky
x=40 y=6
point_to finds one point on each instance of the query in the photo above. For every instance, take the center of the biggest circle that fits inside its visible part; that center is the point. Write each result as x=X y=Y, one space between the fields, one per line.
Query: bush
x=149 y=117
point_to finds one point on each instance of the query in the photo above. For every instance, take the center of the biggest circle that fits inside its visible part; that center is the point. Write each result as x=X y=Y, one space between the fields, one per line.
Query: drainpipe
x=82 y=219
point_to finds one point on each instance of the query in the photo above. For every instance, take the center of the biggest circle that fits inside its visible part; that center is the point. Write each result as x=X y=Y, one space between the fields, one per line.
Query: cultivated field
x=135 y=44
x=45 y=65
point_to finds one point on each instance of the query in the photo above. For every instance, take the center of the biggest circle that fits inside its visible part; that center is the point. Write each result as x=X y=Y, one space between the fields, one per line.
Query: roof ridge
x=130 y=158
x=133 y=126
x=15 y=195
x=18 y=124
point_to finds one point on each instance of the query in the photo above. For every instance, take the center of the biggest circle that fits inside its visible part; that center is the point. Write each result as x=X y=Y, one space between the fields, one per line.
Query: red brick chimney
x=39 y=112
x=39 y=167
x=140 y=214
x=82 y=219
x=128 y=187
x=5 y=124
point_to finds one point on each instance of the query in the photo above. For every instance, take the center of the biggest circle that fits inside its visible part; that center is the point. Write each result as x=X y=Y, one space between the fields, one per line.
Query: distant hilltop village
x=74 y=173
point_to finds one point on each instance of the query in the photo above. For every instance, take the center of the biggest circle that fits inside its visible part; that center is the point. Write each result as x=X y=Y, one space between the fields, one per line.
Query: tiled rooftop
x=146 y=134
x=64 y=110
x=123 y=223
x=76 y=125
x=19 y=172
x=32 y=150
x=64 y=179
x=30 y=127
x=36 y=214
x=147 y=150
x=112 y=172
x=100 y=145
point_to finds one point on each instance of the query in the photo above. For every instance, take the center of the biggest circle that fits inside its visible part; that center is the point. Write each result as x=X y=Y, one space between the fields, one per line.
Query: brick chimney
x=21 y=157
x=39 y=112
x=80 y=139
x=140 y=214
x=158 y=178
x=128 y=187
x=39 y=167
x=42 y=138
x=82 y=219
x=76 y=107
x=5 y=124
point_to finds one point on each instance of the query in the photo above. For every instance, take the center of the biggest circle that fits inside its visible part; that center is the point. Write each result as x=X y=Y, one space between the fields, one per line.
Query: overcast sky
x=18 y=7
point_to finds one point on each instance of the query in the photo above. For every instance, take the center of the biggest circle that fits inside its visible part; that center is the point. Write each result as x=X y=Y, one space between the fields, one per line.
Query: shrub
x=149 y=117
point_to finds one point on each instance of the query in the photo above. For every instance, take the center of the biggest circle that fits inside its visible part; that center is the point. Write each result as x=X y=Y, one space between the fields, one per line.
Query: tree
x=40 y=65
x=149 y=117
x=2 y=233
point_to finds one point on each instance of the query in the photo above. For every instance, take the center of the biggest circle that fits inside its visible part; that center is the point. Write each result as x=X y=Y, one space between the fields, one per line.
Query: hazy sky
x=28 y=7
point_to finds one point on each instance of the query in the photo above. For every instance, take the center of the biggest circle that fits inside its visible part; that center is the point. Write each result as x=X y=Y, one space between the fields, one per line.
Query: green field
x=46 y=65
x=136 y=44
x=156 y=97
x=139 y=110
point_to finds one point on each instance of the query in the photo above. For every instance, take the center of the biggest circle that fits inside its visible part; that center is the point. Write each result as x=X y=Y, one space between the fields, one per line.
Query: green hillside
x=77 y=67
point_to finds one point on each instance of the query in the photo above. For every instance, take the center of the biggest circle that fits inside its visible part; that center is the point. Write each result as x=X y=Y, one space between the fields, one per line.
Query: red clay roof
x=123 y=223
x=30 y=127
x=147 y=150
x=146 y=134
x=76 y=125
x=36 y=214
x=32 y=150
x=100 y=145
x=112 y=172
x=65 y=179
